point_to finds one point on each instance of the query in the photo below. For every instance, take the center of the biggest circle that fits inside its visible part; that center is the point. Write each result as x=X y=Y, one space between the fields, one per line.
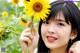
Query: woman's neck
x=59 y=50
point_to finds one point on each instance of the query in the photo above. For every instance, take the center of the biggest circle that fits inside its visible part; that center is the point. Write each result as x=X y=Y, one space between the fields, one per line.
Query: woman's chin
x=51 y=46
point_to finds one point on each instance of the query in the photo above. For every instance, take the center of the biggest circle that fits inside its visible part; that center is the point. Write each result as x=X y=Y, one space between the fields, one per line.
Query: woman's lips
x=51 y=38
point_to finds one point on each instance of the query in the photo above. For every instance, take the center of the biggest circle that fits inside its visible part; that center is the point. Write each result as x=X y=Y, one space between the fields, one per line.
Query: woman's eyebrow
x=61 y=20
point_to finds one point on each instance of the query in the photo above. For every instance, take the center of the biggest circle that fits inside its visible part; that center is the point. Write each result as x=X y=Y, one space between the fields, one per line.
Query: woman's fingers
x=26 y=40
x=34 y=28
x=35 y=32
x=29 y=35
x=29 y=38
x=26 y=30
x=75 y=48
x=28 y=25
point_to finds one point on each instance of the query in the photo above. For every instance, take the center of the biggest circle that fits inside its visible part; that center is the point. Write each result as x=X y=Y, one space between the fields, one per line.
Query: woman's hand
x=75 y=48
x=29 y=39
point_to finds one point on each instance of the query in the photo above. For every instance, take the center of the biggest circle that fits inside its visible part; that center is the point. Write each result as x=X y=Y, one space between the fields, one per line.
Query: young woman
x=59 y=33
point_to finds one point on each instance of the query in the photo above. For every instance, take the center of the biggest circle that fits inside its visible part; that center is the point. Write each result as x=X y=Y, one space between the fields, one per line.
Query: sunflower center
x=37 y=7
x=16 y=1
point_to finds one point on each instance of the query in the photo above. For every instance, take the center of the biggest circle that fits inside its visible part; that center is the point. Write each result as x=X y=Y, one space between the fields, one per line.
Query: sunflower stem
x=27 y=50
x=31 y=24
x=16 y=10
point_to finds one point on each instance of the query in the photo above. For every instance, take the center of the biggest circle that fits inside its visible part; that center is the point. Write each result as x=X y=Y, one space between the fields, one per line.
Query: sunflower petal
x=42 y=14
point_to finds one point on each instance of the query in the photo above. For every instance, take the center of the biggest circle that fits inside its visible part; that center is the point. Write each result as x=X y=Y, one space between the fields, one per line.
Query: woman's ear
x=73 y=34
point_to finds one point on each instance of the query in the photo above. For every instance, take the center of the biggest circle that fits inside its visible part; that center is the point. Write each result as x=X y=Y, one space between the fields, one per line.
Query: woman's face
x=56 y=32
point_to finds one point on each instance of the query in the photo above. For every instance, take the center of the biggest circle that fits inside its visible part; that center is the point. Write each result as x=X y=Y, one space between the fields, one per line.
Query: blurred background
x=13 y=20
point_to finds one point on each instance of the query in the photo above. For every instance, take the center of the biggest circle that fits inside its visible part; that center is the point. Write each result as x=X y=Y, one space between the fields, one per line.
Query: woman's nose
x=51 y=30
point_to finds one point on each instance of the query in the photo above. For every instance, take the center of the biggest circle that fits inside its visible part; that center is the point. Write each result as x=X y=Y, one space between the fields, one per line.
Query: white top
x=35 y=51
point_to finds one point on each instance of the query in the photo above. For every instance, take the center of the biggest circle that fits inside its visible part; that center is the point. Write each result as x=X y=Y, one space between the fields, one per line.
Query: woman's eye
x=45 y=22
x=60 y=24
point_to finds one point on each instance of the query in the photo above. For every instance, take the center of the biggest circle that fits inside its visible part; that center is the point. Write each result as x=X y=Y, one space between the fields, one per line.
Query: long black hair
x=71 y=13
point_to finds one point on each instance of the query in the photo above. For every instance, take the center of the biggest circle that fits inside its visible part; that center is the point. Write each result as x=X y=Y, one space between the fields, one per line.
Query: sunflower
x=14 y=2
x=25 y=2
x=1 y=24
x=1 y=32
x=4 y=14
x=38 y=9
x=22 y=22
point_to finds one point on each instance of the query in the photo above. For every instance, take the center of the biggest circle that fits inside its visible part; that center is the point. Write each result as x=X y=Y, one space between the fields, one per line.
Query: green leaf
x=78 y=4
x=15 y=51
x=6 y=4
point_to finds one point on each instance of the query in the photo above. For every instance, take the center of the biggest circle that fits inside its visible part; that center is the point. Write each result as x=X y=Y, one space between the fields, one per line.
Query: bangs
x=67 y=10
x=58 y=9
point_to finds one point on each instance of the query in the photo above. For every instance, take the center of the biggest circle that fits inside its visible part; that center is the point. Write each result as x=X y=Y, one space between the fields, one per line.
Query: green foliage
x=78 y=4
x=10 y=39
x=11 y=27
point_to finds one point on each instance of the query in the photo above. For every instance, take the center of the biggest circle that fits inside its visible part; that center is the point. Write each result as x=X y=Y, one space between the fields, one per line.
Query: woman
x=57 y=33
